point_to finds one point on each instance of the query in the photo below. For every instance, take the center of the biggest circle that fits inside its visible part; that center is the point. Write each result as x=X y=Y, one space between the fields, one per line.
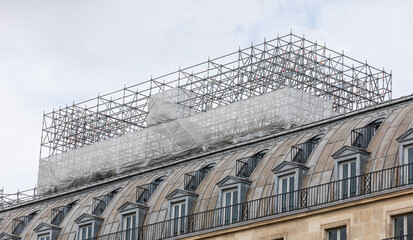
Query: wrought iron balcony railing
x=342 y=190
x=20 y=223
x=301 y=152
x=246 y=166
x=59 y=213
x=361 y=137
x=99 y=203
x=144 y=192
x=193 y=179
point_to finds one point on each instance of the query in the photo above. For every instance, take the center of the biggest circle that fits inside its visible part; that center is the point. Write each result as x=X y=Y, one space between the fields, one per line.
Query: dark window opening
x=144 y=192
x=193 y=179
x=20 y=223
x=403 y=227
x=99 y=203
x=59 y=213
x=301 y=152
x=361 y=137
x=246 y=166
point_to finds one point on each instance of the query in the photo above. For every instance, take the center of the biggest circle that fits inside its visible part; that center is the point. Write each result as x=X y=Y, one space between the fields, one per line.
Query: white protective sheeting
x=173 y=133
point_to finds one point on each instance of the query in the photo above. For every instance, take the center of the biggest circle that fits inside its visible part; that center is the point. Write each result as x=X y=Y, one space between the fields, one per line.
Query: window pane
x=284 y=186
x=176 y=211
x=398 y=226
x=410 y=155
x=228 y=199
x=291 y=195
x=89 y=232
x=410 y=225
x=235 y=207
x=343 y=233
x=332 y=234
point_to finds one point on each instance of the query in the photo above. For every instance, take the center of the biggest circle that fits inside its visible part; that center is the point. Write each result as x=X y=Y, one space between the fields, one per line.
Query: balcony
x=277 y=205
x=144 y=192
x=405 y=237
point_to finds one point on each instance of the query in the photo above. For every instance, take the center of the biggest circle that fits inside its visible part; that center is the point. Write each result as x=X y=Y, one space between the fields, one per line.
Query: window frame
x=339 y=231
x=286 y=200
x=179 y=224
x=89 y=231
x=405 y=225
x=229 y=210
x=349 y=183
x=43 y=236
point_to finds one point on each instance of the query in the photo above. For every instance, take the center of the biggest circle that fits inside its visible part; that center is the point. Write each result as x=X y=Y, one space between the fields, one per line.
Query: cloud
x=54 y=52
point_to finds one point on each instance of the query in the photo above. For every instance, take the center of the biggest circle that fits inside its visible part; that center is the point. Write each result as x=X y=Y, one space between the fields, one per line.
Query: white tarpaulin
x=172 y=132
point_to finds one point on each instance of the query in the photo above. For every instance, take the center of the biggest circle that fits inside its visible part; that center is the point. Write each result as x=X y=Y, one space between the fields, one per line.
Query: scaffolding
x=286 y=61
x=12 y=199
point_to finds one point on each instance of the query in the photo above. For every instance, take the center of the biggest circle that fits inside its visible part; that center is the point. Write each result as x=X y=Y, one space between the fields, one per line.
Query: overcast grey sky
x=55 y=52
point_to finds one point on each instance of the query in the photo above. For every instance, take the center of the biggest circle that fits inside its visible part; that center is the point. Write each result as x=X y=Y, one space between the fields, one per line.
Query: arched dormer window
x=144 y=192
x=193 y=179
x=301 y=152
x=99 y=203
x=20 y=223
x=246 y=166
x=59 y=213
x=361 y=137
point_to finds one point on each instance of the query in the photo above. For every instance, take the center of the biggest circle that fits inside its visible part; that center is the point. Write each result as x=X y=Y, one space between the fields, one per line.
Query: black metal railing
x=336 y=191
x=301 y=152
x=99 y=203
x=144 y=192
x=405 y=237
x=246 y=166
x=18 y=224
x=361 y=137
x=193 y=179
x=59 y=213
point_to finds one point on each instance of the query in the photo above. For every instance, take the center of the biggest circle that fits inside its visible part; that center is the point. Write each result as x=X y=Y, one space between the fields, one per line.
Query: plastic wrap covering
x=172 y=133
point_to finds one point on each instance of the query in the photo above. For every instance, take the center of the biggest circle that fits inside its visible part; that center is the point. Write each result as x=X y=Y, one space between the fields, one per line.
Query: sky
x=56 y=52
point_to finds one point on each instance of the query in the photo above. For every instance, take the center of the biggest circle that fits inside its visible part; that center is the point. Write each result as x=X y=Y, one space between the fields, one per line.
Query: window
x=403 y=227
x=144 y=192
x=301 y=152
x=46 y=231
x=85 y=232
x=361 y=137
x=406 y=156
x=178 y=213
x=43 y=237
x=99 y=203
x=230 y=205
x=129 y=226
x=347 y=175
x=337 y=234
x=59 y=213
x=20 y=223
x=246 y=166
x=193 y=179
x=286 y=192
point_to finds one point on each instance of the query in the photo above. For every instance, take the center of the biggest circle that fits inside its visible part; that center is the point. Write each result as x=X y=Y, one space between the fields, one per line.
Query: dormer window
x=349 y=164
x=361 y=137
x=193 y=179
x=59 y=213
x=20 y=223
x=99 y=203
x=144 y=192
x=132 y=217
x=233 y=191
x=246 y=166
x=88 y=226
x=46 y=231
x=180 y=205
x=406 y=156
x=288 y=179
x=301 y=152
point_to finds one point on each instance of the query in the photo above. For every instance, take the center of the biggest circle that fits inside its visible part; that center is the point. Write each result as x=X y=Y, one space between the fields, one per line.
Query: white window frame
x=43 y=236
x=230 y=209
x=351 y=180
x=89 y=231
x=284 y=198
x=339 y=229
x=178 y=225
x=129 y=233
x=405 y=226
